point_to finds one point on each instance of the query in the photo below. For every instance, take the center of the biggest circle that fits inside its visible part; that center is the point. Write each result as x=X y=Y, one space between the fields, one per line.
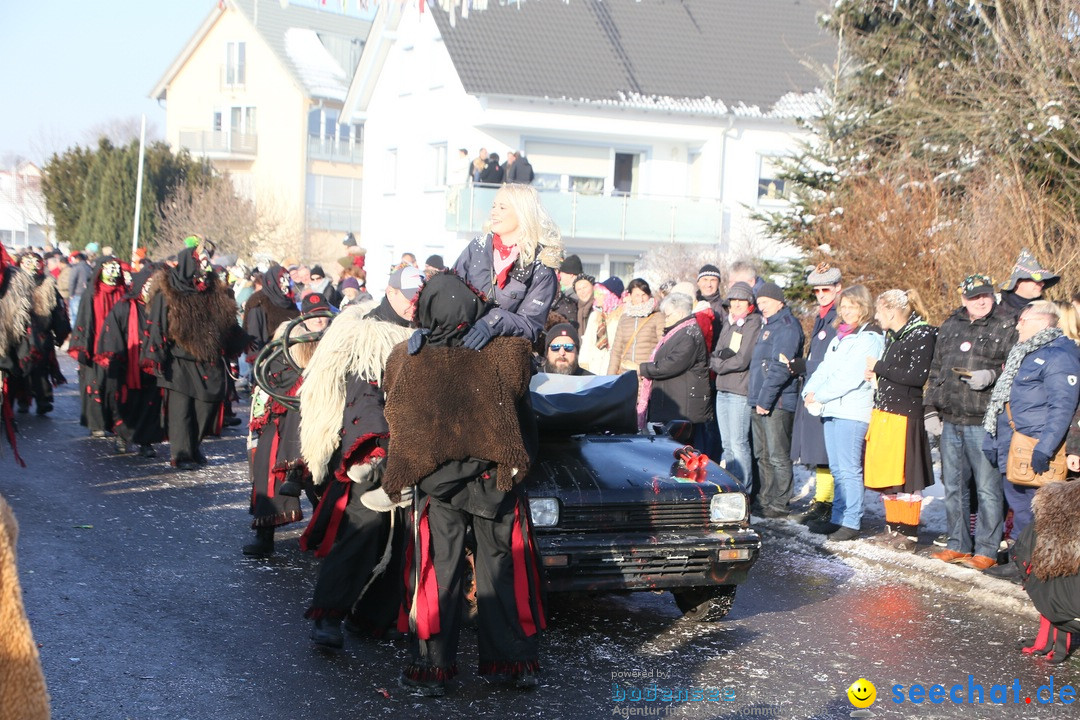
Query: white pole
x=138 y=188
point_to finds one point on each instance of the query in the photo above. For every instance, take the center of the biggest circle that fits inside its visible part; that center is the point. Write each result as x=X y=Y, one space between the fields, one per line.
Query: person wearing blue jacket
x=773 y=395
x=841 y=395
x=1040 y=385
x=514 y=266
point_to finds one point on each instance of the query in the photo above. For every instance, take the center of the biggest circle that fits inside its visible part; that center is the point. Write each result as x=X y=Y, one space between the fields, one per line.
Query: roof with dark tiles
x=738 y=52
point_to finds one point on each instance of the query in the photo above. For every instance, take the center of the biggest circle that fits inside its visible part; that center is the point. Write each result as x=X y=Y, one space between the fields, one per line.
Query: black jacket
x=492 y=174
x=680 y=375
x=520 y=171
x=903 y=369
x=961 y=343
x=733 y=373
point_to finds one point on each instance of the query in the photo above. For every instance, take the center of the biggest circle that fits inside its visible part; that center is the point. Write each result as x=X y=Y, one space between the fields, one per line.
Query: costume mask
x=206 y=268
x=33 y=264
x=110 y=273
x=285 y=285
x=127 y=278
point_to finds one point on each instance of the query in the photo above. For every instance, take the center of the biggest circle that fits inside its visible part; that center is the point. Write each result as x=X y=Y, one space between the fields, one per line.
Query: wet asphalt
x=144 y=608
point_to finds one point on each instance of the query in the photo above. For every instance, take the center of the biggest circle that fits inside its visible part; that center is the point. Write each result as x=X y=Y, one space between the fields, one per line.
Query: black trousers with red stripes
x=509 y=604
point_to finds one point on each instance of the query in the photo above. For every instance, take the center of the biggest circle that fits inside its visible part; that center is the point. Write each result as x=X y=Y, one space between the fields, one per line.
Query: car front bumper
x=576 y=562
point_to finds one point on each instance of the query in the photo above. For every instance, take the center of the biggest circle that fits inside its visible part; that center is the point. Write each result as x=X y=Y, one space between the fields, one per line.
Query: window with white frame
x=772 y=188
x=235 y=63
x=437 y=165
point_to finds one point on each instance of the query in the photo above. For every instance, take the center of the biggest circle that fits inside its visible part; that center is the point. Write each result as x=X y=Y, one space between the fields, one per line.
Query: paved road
x=145 y=609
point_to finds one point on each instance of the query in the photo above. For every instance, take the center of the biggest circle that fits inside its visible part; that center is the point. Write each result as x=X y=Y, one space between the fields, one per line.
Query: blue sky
x=68 y=66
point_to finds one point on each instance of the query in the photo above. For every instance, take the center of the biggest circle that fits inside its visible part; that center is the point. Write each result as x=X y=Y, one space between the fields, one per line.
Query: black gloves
x=1040 y=462
x=416 y=341
x=727 y=353
x=797 y=366
x=479 y=335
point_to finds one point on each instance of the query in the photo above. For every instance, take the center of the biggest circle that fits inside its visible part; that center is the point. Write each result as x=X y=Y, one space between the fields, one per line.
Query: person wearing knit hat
x=1026 y=283
x=562 y=344
x=600 y=324
x=615 y=285
x=708 y=289
x=566 y=302
x=808 y=434
x=433 y=265
x=773 y=394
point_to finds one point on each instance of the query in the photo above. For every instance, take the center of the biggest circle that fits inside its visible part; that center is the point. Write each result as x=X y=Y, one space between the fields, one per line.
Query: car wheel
x=705 y=604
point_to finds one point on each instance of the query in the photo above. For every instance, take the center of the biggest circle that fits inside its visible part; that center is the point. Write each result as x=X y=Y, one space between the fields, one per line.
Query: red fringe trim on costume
x=508 y=668
x=360 y=453
x=285 y=518
x=427 y=673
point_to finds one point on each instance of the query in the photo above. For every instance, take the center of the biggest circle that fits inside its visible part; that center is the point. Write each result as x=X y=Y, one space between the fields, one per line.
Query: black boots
x=817 y=512
x=264 y=543
x=326 y=631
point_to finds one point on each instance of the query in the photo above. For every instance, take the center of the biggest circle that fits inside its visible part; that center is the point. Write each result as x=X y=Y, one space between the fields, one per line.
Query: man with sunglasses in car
x=563 y=344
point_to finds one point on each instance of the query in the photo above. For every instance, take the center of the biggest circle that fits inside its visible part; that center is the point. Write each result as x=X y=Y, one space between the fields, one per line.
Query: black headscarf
x=272 y=287
x=183 y=276
x=139 y=279
x=447 y=307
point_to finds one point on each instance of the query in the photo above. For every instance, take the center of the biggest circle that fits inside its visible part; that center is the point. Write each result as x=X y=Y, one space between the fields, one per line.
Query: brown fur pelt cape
x=23 y=695
x=453 y=403
x=275 y=314
x=203 y=323
x=45 y=297
x=16 y=291
x=1056 y=508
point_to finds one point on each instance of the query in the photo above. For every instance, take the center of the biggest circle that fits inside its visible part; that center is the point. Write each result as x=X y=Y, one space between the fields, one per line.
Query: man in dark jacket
x=1040 y=384
x=518 y=169
x=773 y=395
x=563 y=345
x=808 y=434
x=493 y=172
x=972 y=346
x=78 y=279
x=1027 y=283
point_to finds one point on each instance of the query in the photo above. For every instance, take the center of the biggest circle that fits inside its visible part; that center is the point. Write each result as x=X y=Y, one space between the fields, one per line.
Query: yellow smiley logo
x=862 y=693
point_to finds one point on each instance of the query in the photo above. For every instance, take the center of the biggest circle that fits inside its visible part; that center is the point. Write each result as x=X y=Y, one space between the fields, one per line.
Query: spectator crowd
x=346 y=391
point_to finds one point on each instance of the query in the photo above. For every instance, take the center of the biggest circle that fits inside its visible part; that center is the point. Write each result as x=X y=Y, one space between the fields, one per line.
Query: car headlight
x=727 y=507
x=545 y=511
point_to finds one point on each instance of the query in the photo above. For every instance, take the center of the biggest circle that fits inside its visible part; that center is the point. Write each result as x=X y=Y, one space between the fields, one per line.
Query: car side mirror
x=679 y=430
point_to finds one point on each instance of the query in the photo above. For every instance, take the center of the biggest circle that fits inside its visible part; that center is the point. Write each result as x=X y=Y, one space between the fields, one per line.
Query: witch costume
x=49 y=328
x=266 y=309
x=344 y=437
x=463 y=434
x=192 y=330
x=133 y=396
x=105 y=289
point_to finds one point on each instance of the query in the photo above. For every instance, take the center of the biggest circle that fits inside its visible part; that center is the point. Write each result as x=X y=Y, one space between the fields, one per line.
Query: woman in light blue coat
x=839 y=393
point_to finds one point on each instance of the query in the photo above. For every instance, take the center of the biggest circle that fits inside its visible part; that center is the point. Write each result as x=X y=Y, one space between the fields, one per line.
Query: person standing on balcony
x=513 y=265
x=518 y=169
x=493 y=171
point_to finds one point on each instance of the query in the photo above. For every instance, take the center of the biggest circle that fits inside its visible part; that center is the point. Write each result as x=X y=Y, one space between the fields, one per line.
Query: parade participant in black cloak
x=276 y=455
x=134 y=395
x=343 y=436
x=105 y=289
x=463 y=433
x=16 y=289
x=49 y=328
x=192 y=330
x=266 y=309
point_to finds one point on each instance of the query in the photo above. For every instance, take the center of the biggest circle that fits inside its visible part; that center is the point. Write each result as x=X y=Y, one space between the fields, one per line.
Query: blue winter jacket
x=1043 y=398
x=521 y=306
x=838 y=382
x=772 y=386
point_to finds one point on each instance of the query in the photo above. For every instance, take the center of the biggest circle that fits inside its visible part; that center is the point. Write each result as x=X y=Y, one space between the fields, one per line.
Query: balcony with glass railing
x=333 y=217
x=335 y=150
x=219 y=144
x=653 y=218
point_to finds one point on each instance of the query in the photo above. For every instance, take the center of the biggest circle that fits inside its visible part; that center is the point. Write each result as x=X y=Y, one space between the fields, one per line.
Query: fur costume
x=275 y=314
x=45 y=295
x=1056 y=508
x=353 y=346
x=23 y=695
x=428 y=401
x=203 y=324
x=16 y=291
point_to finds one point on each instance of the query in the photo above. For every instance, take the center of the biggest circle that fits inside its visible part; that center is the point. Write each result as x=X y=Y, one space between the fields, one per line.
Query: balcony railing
x=219 y=143
x=601 y=217
x=333 y=217
x=334 y=150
